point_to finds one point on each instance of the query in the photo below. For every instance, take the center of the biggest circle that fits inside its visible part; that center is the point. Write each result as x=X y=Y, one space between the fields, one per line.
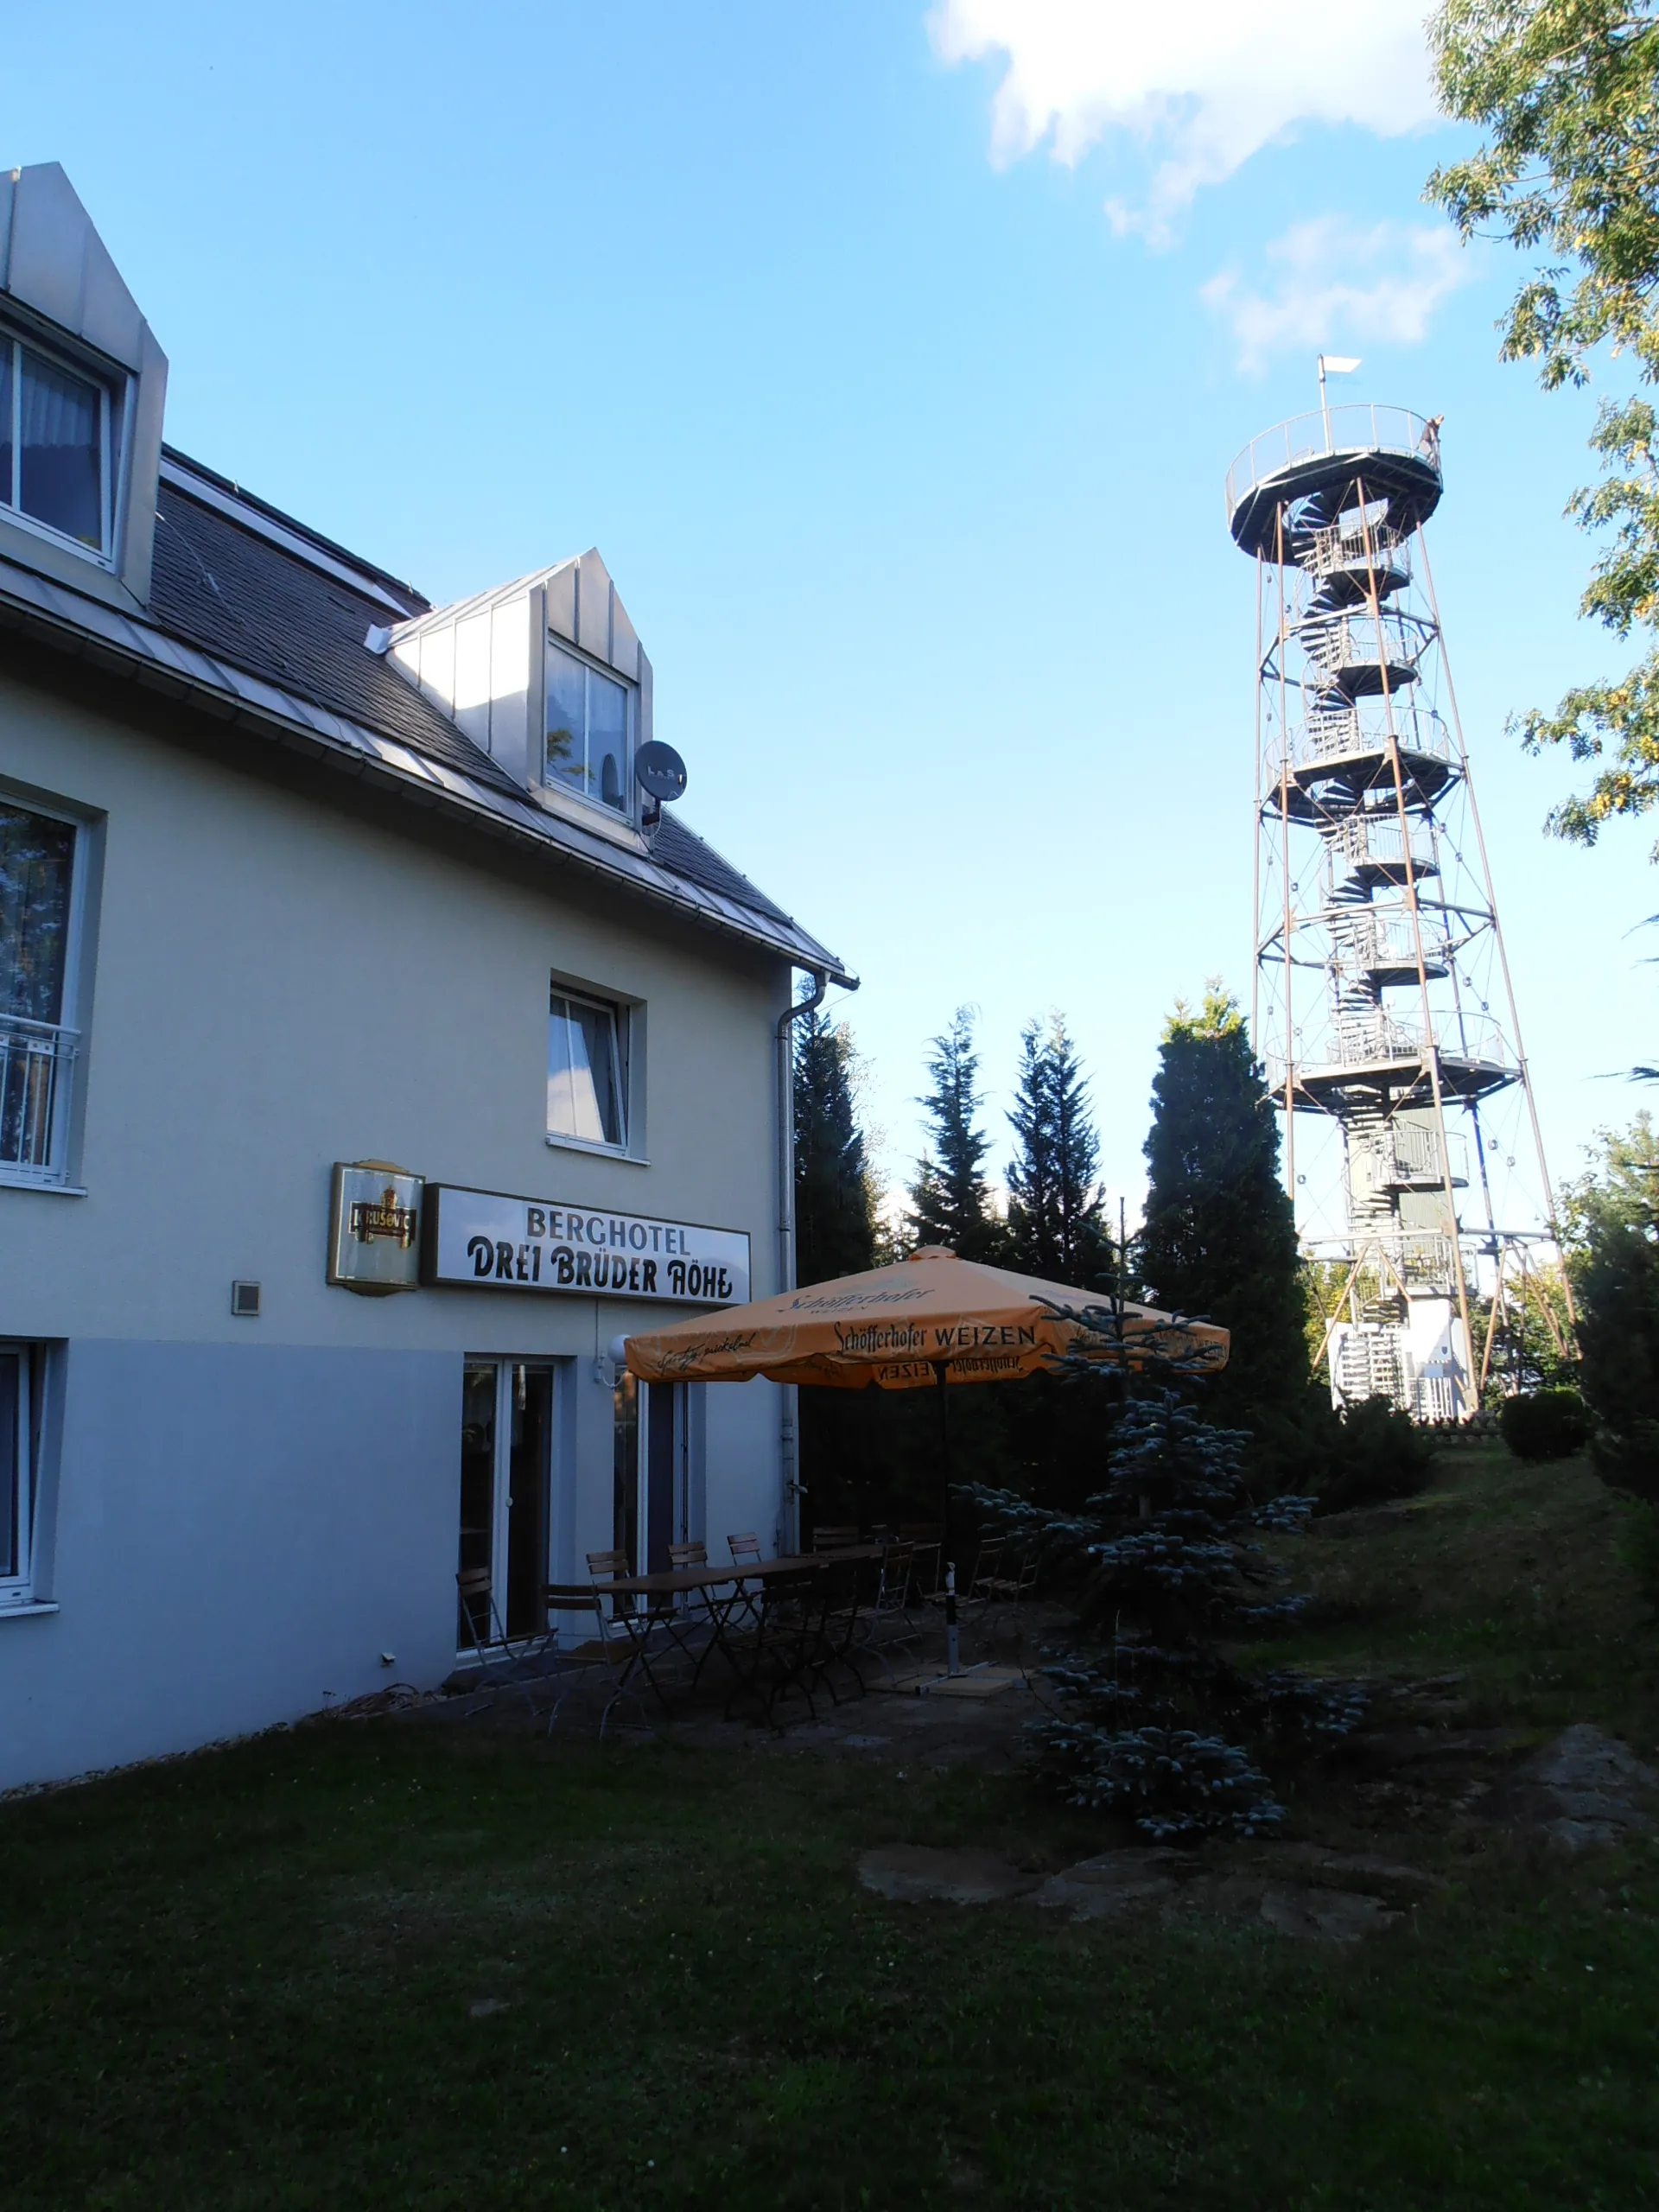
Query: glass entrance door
x=651 y=1445
x=506 y=1479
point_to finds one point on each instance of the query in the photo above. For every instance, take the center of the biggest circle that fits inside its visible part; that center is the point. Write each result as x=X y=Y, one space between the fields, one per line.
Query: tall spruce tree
x=1219 y=1238
x=1054 y=1227
x=949 y=1202
x=835 y=1198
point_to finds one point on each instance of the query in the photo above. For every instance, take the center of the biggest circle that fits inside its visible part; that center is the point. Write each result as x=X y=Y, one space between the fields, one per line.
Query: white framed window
x=56 y=446
x=39 y=917
x=586 y=1071
x=20 y=1371
x=590 y=721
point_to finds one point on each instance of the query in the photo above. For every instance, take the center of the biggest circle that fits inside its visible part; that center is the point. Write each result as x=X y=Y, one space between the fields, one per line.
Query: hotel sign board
x=484 y=1240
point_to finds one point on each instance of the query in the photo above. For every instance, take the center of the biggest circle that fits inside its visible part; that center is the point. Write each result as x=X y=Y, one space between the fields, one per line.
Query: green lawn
x=250 y=1979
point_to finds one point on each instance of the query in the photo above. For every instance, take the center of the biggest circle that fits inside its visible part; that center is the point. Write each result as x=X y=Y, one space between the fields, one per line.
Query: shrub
x=1376 y=1453
x=1169 y=1559
x=1544 y=1424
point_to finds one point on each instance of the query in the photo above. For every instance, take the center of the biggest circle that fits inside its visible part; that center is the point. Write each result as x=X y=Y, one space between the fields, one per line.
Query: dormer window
x=590 y=730
x=54 y=446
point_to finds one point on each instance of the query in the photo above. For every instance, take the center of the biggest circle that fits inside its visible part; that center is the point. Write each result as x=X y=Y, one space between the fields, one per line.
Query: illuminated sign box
x=374 y=1228
x=484 y=1240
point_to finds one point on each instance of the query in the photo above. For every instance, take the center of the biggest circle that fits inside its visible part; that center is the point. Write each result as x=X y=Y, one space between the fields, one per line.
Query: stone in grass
x=1114 y=1882
x=1587 y=1791
x=912 y=1873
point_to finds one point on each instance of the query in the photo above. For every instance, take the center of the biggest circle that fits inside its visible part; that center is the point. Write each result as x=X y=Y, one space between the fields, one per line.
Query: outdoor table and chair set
x=797 y=1625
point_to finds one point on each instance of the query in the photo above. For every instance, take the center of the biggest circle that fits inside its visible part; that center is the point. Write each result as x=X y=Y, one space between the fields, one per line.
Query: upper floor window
x=55 y=445
x=37 y=872
x=590 y=730
x=586 y=1071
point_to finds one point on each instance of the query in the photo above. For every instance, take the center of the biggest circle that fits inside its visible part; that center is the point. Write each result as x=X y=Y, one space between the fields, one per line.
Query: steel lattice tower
x=1383 y=1005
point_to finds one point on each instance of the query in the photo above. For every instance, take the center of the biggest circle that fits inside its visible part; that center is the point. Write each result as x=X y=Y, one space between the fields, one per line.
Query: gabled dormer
x=82 y=388
x=547 y=675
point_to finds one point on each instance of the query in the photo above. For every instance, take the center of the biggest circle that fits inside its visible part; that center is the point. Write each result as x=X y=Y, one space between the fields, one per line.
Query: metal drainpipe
x=789 y=1533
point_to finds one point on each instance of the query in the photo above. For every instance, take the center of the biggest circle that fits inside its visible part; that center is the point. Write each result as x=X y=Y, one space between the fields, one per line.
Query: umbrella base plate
x=972 y=1682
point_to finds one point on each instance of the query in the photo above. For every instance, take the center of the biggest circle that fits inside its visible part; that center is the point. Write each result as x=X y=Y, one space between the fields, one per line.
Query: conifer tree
x=1054 y=1202
x=835 y=1197
x=949 y=1203
x=1219 y=1237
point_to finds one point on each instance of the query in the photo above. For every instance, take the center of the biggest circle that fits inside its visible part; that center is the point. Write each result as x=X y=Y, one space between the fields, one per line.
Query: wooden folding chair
x=504 y=1663
x=606 y=1651
x=834 y=1539
x=925 y=1539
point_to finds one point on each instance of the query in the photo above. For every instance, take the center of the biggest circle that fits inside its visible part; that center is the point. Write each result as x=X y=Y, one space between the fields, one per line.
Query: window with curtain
x=587 y=1081
x=55 y=445
x=588 y=718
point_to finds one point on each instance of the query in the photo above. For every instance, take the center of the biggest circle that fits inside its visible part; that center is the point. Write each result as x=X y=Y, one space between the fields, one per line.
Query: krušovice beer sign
x=481 y=1240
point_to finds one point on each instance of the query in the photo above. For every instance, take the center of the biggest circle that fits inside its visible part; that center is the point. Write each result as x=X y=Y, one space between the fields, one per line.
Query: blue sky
x=894 y=362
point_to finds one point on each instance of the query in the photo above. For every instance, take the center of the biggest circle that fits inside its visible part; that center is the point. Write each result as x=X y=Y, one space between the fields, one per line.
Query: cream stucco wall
x=279 y=983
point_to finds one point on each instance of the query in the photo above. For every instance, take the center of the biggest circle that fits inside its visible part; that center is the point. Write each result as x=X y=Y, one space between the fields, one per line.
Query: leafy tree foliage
x=1054 y=1199
x=1219 y=1236
x=1613 y=1238
x=1168 y=1558
x=1565 y=89
x=835 y=1190
x=950 y=1203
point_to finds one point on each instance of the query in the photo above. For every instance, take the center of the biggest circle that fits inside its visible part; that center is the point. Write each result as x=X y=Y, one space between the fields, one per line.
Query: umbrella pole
x=952 y=1649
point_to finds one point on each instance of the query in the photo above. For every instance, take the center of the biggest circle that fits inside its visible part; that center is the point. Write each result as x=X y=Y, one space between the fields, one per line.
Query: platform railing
x=1377 y=1038
x=1361 y=840
x=1356 y=426
x=1342 y=732
x=1334 y=641
x=1364 y=940
x=1345 y=546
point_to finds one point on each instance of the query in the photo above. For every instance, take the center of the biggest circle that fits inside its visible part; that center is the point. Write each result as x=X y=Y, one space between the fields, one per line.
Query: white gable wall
x=477 y=661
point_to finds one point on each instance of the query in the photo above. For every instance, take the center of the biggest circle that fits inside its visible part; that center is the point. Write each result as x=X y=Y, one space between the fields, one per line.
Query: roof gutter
x=791 y=1493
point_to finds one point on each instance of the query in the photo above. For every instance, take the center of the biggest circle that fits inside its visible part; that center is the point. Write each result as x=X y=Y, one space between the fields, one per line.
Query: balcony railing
x=36 y=1073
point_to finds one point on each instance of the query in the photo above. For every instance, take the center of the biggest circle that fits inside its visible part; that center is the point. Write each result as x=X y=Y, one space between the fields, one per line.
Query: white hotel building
x=373 y=1054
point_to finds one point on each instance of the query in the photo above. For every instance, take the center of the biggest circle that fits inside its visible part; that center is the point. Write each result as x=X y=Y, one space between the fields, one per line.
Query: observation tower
x=1381 y=1004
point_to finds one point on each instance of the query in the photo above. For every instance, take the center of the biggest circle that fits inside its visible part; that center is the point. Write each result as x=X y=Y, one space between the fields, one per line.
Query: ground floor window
x=506 y=1489
x=653 y=1494
x=20 y=1395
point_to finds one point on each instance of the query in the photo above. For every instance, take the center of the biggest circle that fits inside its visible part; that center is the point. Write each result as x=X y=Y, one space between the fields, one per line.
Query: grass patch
x=1518 y=1577
x=394 y=1965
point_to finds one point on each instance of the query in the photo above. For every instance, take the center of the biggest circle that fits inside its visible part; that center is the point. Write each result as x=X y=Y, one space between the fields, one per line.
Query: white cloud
x=1201 y=84
x=1338 y=283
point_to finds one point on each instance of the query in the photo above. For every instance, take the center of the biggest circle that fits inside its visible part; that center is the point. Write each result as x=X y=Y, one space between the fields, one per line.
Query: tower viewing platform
x=1320 y=459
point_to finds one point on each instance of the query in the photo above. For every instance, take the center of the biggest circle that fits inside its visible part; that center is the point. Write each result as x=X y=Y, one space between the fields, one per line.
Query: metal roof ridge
x=451 y=610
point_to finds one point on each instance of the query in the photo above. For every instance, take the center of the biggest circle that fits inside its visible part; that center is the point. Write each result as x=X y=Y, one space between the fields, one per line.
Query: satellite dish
x=659 y=771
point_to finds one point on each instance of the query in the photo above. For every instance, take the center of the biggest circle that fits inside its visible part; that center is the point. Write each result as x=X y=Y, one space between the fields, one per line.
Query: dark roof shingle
x=235 y=594
x=239 y=596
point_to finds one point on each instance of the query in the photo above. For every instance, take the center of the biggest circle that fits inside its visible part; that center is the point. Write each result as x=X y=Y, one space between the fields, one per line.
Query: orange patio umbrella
x=931 y=1319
